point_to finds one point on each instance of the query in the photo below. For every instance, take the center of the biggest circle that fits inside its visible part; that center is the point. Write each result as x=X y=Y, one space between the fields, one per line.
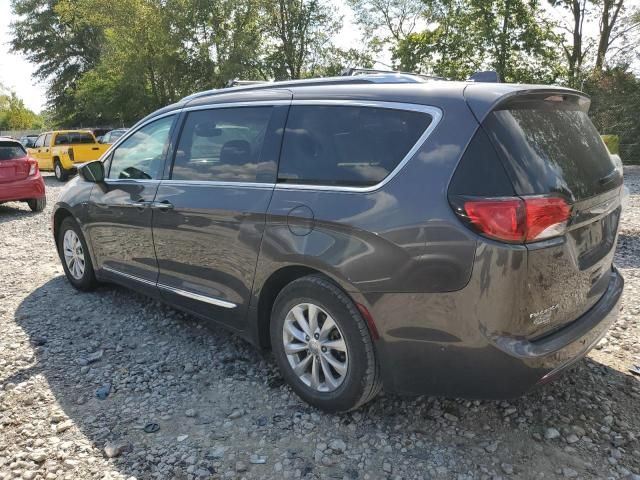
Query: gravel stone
x=163 y=365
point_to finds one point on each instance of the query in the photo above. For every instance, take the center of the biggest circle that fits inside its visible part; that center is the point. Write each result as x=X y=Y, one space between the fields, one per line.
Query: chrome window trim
x=133 y=181
x=436 y=115
x=195 y=296
x=435 y=112
x=218 y=183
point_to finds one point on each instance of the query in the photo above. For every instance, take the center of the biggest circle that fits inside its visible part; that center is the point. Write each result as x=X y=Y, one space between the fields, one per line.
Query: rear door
x=13 y=166
x=549 y=147
x=209 y=216
x=120 y=210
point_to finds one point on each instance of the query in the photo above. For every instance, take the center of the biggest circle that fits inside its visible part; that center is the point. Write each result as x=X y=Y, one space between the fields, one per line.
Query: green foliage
x=612 y=142
x=512 y=37
x=615 y=107
x=62 y=46
x=13 y=113
x=112 y=62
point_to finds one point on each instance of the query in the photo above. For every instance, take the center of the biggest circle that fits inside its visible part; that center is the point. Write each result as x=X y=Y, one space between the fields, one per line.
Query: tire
x=86 y=280
x=341 y=392
x=61 y=174
x=37 y=204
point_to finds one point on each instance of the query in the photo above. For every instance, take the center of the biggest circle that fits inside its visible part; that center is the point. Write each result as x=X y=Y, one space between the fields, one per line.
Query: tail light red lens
x=517 y=220
x=70 y=152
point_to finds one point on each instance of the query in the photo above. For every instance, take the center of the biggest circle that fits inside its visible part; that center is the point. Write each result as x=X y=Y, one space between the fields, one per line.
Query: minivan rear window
x=11 y=151
x=347 y=145
x=552 y=148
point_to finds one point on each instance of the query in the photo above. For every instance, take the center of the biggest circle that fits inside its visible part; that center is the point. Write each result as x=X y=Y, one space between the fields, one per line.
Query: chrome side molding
x=185 y=293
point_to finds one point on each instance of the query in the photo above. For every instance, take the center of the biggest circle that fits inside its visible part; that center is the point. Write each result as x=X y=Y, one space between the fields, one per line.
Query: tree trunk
x=610 y=11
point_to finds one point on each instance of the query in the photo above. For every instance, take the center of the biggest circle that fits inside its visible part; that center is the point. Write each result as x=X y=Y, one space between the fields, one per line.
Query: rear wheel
x=37 y=204
x=61 y=174
x=322 y=345
x=74 y=255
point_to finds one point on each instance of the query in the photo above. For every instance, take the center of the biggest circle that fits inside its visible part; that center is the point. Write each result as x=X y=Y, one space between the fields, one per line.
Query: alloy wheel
x=315 y=347
x=73 y=254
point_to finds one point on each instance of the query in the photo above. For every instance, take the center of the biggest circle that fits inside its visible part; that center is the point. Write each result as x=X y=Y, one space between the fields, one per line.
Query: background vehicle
x=28 y=141
x=20 y=179
x=113 y=135
x=450 y=238
x=59 y=151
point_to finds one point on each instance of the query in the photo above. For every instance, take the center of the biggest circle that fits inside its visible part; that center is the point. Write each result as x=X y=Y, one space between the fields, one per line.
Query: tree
x=450 y=48
x=576 y=52
x=13 y=113
x=512 y=37
x=302 y=31
x=610 y=13
x=63 y=48
x=615 y=106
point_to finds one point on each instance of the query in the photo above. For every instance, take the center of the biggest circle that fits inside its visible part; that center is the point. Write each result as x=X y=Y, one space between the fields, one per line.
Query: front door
x=120 y=210
x=210 y=214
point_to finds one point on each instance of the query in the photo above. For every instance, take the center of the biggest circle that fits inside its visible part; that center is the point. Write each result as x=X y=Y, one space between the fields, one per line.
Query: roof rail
x=362 y=77
x=352 y=72
x=241 y=83
x=489 y=76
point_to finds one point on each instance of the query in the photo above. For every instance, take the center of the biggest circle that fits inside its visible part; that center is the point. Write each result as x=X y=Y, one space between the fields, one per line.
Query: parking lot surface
x=111 y=385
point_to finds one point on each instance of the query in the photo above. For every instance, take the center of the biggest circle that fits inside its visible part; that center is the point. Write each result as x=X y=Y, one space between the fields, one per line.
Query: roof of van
x=403 y=88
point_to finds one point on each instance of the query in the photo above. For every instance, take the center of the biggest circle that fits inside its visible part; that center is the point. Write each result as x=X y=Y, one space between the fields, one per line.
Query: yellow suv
x=60 y=150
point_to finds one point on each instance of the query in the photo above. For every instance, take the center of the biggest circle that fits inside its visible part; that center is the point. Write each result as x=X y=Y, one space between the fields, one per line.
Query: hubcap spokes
x=73 y=254
x=315 y=347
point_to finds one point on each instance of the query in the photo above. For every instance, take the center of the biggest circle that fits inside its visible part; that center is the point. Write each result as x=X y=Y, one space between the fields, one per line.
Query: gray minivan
x=450 y=238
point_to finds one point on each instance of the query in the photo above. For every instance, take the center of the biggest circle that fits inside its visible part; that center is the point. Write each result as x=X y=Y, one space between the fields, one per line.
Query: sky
x=16 y=72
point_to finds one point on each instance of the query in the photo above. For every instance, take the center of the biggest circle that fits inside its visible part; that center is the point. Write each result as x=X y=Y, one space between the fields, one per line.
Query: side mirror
x=93 y=172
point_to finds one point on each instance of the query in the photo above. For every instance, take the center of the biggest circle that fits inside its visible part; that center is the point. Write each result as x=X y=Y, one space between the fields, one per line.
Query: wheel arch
x=273 y=285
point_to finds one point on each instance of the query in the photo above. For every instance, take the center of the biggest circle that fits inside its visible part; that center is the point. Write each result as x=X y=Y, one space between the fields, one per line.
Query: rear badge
x=543 y=317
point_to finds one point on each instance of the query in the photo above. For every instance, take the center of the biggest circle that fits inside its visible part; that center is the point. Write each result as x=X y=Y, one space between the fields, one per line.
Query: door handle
x=162 y=206
x=141 y=204
x=95 y=148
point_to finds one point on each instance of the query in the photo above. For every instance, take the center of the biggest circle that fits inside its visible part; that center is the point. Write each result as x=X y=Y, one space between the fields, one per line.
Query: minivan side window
x=39 y=142
x=47 y=140
x=347 y=145
x=141 y=156
x=224 y=144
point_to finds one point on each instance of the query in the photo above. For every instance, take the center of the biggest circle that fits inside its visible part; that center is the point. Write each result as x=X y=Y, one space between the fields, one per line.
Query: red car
x=20 y=179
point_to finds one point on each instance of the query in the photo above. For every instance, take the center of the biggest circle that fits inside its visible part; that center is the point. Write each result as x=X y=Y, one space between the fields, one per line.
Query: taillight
x=33 y=166
x=515 y=219
x=70 y=152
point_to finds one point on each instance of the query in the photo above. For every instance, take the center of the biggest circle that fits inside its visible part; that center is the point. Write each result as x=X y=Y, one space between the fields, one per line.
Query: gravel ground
x=222 y=409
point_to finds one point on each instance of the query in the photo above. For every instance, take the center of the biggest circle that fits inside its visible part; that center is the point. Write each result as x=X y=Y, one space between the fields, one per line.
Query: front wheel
x=323 y=346
x=61 y=174
x=74 y=255
x=37 y=204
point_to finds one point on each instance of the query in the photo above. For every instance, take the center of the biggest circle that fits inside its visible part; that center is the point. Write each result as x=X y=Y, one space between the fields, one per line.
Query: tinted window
x=11 y=151
x=223 y=144
x=141 y=156
x=337 y=145
x=39 y=142
x=47 y=140
x=74 y=138
x=551 y=149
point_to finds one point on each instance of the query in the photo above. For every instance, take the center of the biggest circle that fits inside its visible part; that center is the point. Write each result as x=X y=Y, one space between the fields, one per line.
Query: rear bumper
x=477 y=366
x=30 y=187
